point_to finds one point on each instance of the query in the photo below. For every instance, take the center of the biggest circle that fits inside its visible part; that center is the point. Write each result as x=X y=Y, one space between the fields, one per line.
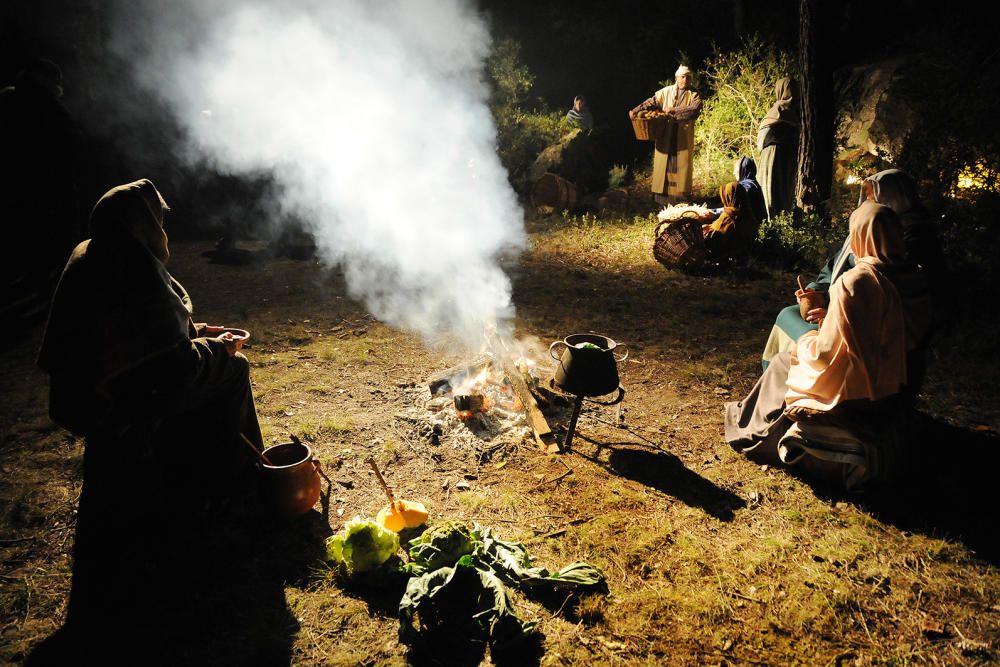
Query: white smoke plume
x=373 y=118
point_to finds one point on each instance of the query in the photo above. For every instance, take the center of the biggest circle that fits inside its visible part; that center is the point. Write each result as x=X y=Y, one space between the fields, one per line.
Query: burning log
x=546 y=395
x=544 y=437
x=474 y=391
x=445 y=381
x=468 y=406
x=470 y=402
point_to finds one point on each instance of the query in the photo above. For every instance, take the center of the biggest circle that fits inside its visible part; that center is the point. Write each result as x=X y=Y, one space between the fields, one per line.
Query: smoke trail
x=373 y=118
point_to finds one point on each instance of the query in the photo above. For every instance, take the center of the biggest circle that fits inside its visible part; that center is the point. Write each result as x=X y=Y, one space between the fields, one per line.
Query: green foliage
x=441 y=546
x=522 y=132
x=806 y=242
x=361 y=546
x=954 y=155
x=617 y=175
x=968 y=233
x=738 y=89
x=521 y=136
x=511 y=80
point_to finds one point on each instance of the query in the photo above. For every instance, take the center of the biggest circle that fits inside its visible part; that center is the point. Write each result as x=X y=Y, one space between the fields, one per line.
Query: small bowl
x=239 y=334
x=808 y=301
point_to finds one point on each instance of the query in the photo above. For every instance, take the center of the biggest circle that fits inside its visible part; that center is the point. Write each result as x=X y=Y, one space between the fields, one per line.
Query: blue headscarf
x=584 y=118
x=748 y=182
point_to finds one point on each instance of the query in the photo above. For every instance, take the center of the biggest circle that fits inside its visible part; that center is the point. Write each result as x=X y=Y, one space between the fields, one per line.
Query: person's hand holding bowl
x=811 y=301
x=233 y=338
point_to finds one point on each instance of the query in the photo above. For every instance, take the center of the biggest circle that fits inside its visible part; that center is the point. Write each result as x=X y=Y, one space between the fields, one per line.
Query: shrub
x=805 y=242
x=617 y=175
x=954 y=155
x=521 y=136
x=738 y=89
x=522 y=132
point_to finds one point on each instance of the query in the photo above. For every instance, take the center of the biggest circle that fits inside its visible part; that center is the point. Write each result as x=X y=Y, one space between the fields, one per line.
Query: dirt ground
x=710 y=558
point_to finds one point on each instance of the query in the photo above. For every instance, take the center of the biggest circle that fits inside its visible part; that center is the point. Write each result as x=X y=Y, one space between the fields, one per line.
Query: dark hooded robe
x=161 y=408
x=778 y=143
x=734 y=231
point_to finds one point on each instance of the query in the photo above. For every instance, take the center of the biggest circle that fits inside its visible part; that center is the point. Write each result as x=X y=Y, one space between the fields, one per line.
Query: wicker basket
x=554 y=192
x=648 y=129
x=680 y=244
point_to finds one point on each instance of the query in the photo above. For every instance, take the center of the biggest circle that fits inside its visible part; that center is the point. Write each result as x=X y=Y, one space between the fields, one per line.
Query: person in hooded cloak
x=895 y=189
x=778 y=143
x=580 y=115
x=851 y=367
x=162 y=403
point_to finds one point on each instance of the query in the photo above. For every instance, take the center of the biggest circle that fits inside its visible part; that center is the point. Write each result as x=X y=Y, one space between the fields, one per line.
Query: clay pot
x=291 y=484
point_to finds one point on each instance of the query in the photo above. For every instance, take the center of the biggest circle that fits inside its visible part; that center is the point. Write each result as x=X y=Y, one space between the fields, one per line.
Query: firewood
x=441 y=382
x=544 y=437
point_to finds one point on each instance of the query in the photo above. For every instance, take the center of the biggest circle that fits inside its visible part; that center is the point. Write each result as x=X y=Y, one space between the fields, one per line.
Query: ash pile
x=487 y=408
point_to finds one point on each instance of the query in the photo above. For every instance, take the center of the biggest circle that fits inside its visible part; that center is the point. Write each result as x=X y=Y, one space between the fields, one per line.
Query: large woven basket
x=679 y=244
x=648 y=129
x=553 y=192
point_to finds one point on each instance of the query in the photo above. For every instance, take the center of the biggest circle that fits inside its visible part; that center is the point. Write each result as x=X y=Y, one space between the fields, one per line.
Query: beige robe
x=676 y=139
x=860 y=349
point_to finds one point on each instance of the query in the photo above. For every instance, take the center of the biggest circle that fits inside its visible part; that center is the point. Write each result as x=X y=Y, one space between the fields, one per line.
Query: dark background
x=615 y=53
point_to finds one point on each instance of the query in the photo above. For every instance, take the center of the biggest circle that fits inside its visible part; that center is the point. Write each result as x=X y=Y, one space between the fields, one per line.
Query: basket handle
x=659 y=228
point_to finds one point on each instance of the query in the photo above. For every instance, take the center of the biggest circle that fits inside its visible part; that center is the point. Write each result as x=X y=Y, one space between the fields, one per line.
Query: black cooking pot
x=588 y=365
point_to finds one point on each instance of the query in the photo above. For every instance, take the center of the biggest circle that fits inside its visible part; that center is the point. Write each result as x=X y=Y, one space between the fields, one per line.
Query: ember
x=469 y=403
x=493 y=389
x=498 y=397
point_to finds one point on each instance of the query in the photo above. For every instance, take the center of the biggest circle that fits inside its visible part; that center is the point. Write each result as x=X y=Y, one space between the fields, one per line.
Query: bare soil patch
x=710 y=557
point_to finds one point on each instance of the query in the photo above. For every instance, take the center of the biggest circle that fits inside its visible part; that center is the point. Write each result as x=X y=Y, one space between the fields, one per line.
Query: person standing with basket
x=673 y=140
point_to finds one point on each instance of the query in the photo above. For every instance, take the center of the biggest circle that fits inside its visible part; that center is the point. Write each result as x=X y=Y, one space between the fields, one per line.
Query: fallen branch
x=549 y=481
x=554 y=533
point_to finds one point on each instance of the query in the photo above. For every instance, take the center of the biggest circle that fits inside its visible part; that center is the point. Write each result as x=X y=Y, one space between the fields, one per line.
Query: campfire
x=497 y=389
x=501 y=394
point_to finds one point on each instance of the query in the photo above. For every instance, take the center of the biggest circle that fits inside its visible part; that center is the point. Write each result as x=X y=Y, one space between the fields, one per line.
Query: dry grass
x=710 y=558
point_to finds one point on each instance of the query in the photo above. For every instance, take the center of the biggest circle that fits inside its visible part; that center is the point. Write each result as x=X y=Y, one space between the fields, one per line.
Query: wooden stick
x=568 y=442
x=381 y=480
x=259 y=454
x=568 y=472
x=798 y=279
x=544 y=437
x=440 y=382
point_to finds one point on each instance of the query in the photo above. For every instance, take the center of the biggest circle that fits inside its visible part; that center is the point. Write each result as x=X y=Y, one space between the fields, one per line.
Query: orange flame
x=473 y=382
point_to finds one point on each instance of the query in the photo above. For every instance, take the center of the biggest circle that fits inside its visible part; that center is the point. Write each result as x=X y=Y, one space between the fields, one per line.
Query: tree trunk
x=816 y=106
x=739 y=17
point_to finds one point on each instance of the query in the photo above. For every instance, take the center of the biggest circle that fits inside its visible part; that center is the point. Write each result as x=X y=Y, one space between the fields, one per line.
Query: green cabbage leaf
x=361 y=546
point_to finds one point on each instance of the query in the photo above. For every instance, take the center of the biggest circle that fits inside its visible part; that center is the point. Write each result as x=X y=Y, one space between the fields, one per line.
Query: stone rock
x=573 y=158
x=878 y=111
x=614 y=200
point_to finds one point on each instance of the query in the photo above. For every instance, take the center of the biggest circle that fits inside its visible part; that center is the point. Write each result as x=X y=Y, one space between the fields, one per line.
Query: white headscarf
x=893 y=188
